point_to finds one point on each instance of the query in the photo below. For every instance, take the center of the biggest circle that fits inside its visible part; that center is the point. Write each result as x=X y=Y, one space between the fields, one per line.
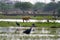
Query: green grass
x=29 y=24
x=9 y=17
x=32 y=17
x=6 y=24
x=41 y=17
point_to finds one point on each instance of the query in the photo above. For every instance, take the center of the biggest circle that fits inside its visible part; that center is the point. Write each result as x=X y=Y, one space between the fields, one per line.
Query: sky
x=34 y=1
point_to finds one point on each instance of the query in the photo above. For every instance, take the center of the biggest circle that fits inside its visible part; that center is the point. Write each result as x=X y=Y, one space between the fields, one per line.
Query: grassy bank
x=32 y=17
x=27 y=24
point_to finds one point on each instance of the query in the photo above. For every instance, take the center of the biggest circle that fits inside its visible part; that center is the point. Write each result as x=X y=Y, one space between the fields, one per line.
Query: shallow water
x=30 y=20
x=40 y=34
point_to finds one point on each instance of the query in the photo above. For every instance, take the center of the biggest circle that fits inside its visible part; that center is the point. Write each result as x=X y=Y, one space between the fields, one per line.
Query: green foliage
x=4 y=6
x=32 y=17
x=29 y=24
x=50 y=7
x=58 y=8
x=38 y=5
x=58 y=12
x=23 y=5
x=6 y=24
x=58 y=4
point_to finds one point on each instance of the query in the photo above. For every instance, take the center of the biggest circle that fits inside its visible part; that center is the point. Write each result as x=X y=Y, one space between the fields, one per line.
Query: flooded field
x=38 y=33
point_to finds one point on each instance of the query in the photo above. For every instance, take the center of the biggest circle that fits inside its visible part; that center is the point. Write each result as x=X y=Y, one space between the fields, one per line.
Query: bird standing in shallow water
x=33 y=25
x=27 y=31
x=17 y=24
x=18 y=29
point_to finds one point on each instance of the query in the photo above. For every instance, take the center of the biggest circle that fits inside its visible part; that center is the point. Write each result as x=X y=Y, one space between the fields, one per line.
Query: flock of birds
x=27 y=31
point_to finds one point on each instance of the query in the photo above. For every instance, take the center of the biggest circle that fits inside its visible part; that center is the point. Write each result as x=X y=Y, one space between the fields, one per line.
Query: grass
x=6 y=24
x=38 y=24
x=41 y=17
x=29 y=24
x=9 y=17
x=32 y=17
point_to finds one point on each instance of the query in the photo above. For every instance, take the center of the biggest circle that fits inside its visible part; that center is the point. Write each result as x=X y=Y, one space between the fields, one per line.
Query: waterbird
x=28 y=31
x=17 y=24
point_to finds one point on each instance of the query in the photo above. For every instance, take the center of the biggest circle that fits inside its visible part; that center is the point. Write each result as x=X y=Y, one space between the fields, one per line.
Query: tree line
x=52 y=6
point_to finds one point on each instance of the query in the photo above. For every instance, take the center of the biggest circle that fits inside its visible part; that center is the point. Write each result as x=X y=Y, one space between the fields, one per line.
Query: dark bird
x=33 y=25
x=28 y=31
x=17 y=24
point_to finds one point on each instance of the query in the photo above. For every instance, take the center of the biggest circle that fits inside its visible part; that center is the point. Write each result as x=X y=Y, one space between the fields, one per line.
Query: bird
x=33 y=25
x=17 y=24
x=28 y=31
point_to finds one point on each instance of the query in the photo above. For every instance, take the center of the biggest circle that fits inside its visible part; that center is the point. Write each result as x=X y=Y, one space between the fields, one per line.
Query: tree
x=38 y=5
x=25 y=18
x=50 y=7
x=4 y=7
x=58 y=4
x=55 y=8
x=58 y=11
x=23 y=5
